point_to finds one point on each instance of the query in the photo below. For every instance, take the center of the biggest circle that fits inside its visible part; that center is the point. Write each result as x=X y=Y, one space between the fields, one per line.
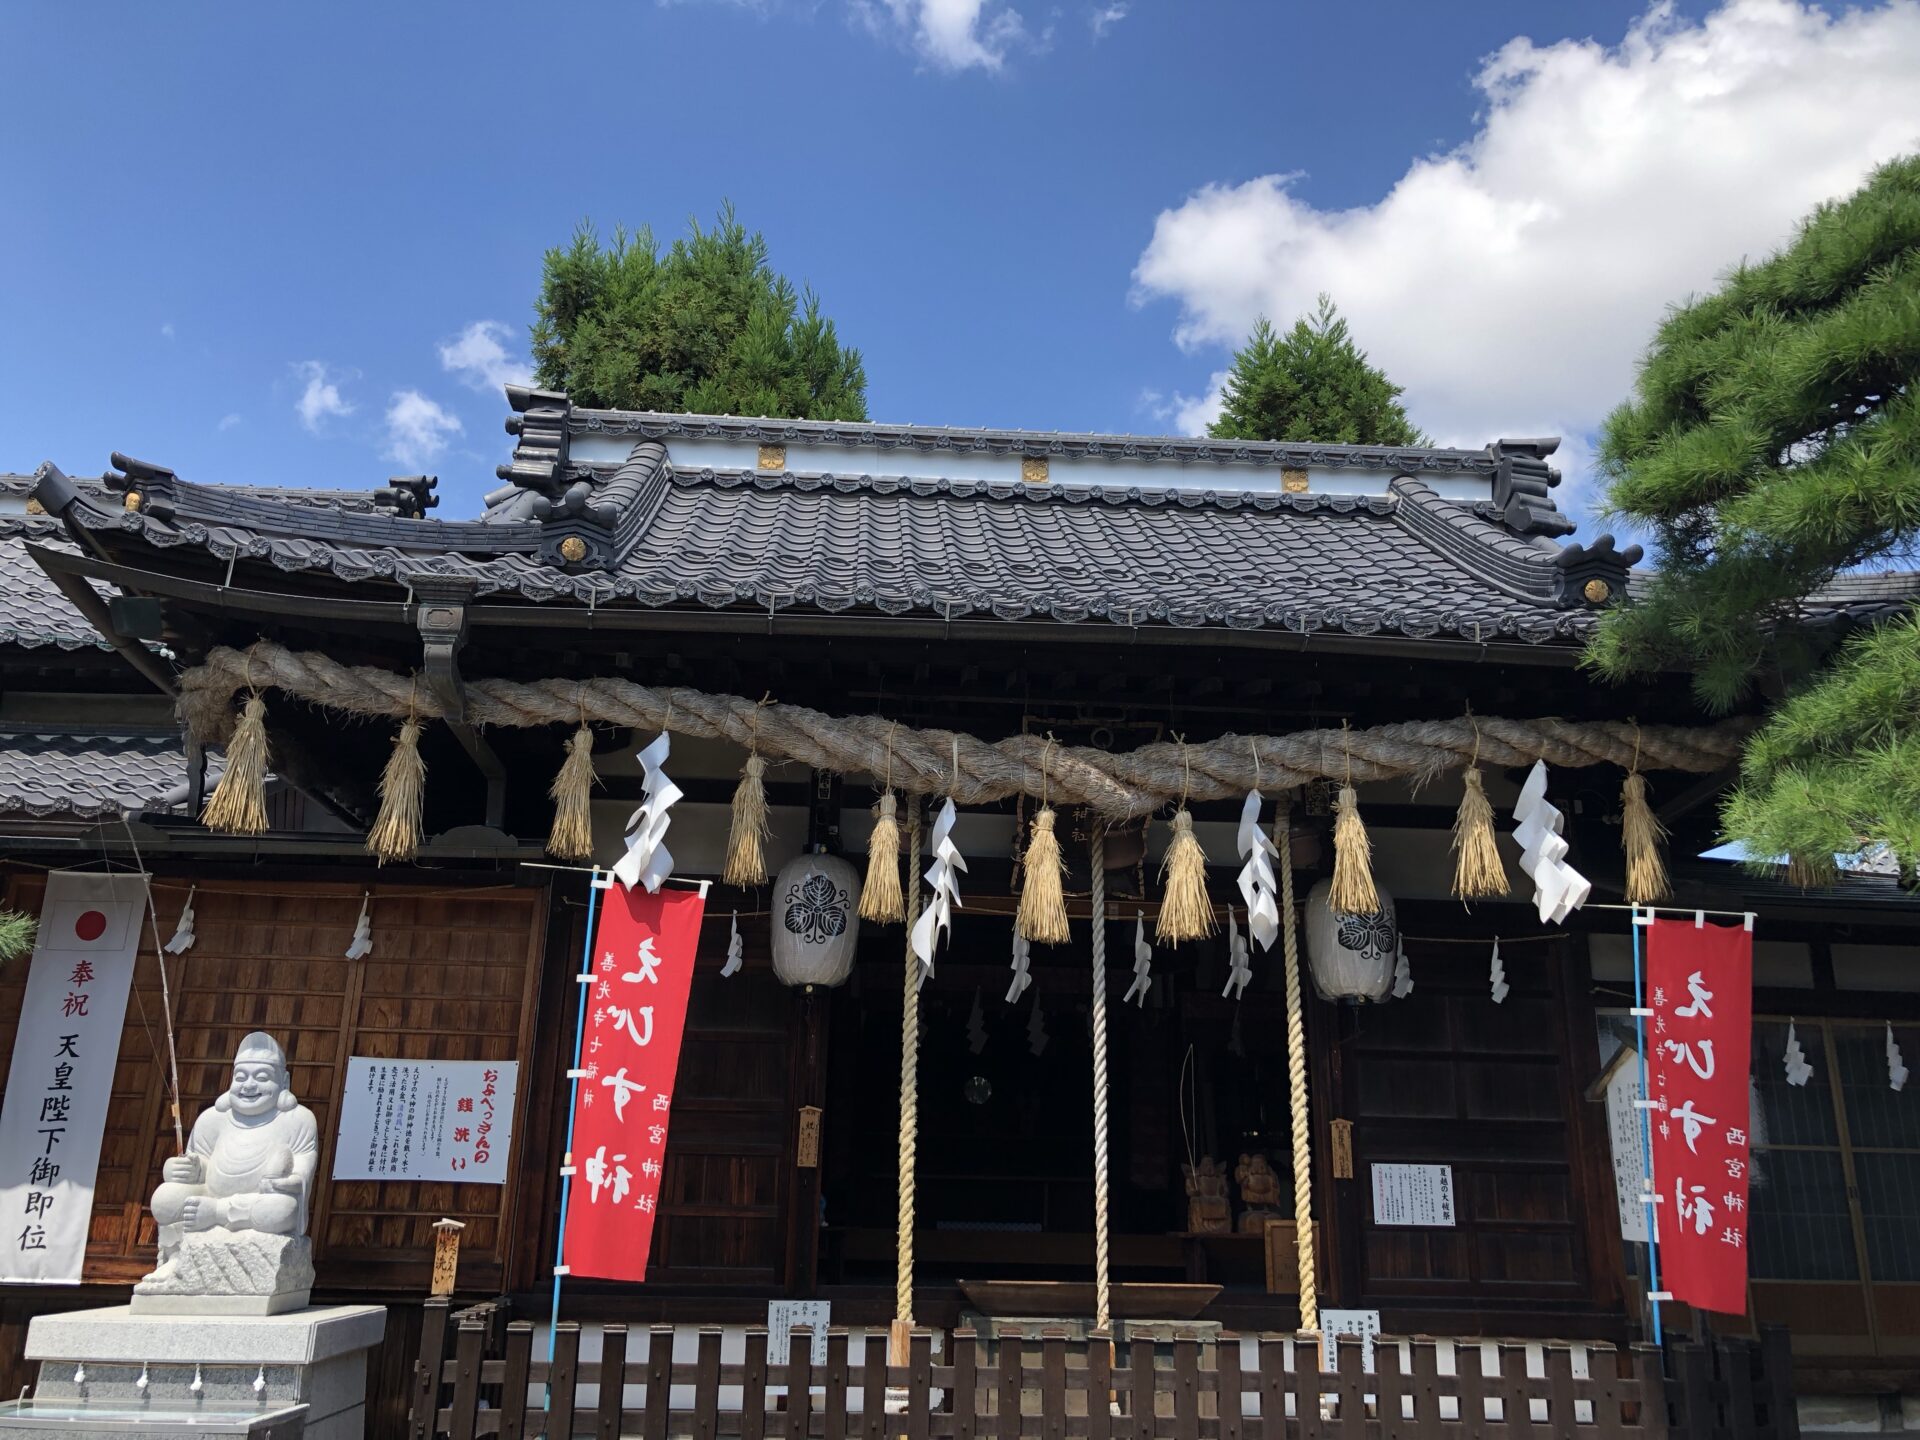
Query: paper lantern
x=816 y=920
x=1352 y=956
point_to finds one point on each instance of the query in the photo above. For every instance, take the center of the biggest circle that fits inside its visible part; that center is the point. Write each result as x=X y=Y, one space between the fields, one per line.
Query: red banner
x=629 y=1053
x=1699 y=1046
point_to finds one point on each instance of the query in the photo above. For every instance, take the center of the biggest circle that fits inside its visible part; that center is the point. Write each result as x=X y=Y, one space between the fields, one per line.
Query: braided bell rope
x=1102 y=1280
x=909 y=1087
x=1297 y=1085
x=945 y=762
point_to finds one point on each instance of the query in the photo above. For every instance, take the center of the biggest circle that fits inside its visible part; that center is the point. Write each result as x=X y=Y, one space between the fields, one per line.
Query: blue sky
x=248 y=241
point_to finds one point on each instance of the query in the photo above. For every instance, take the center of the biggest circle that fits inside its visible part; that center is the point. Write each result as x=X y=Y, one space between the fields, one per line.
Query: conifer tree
x=1772 y=444
x=1312 y=385
x=705 y=327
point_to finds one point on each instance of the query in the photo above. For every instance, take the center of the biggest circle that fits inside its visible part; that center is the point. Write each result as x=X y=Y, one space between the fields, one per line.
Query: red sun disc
x=91 y=925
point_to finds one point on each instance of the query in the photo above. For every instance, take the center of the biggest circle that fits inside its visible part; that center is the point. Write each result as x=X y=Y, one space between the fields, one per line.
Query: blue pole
x=573 y=1100
x=1646 y=1137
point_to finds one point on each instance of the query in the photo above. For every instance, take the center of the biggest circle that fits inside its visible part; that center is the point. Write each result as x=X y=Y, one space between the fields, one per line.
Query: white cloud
x=951 y=34
x=320 y=397
x=166 y=331
x=418 y=430
x=478 y=355
x=1194 y=413
x=228 y=422
x=1512 y=284
x=1105 y=17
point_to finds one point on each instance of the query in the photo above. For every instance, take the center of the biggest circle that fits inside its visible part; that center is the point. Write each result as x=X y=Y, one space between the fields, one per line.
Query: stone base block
x=255 y=1365
x=220 y=1272
x=28 y=1420
x=281 y=1304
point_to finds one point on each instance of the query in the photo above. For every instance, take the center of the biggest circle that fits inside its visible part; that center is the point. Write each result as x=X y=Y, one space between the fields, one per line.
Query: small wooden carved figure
x=1208 y=1210
x=1259 y=1193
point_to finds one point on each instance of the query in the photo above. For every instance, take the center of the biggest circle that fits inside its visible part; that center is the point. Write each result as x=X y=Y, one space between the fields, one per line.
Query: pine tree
x=1773 y=443
x=1313 y=386
x=706 y=327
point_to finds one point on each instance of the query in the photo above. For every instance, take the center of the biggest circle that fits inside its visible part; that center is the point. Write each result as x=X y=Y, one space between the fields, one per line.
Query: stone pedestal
x=223 y=1273
x=245 y=1363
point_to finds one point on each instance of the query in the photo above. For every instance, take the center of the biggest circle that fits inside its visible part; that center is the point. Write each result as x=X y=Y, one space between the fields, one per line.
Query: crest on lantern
x=816 y=920
x=1352 y=956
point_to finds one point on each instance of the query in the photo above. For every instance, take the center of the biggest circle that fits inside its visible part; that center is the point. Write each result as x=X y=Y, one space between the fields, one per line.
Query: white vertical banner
x=64 y=1055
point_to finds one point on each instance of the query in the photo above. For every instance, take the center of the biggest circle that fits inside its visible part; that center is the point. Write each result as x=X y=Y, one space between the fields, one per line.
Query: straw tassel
x=1640 y=835
x=880 y=898
x=238 y=805
x=1352 y=892
x=1042 y=916
x=1185 y=911
x=746 y=844
x=396 y=829
x=571 y=837
x=1477 y=871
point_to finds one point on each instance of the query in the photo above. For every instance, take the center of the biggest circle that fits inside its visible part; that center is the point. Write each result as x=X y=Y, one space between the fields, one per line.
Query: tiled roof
x=1864 y=598
x=32 y=612
x=1219 y=543
x=363 y=502
x=880 y=438
x=89 y=776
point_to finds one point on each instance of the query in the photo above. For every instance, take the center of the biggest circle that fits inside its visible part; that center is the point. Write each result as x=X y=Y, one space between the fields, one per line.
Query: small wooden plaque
x=809 y=1146
x=1343 y=1149
x=446 y=1255
x=1282 y=1256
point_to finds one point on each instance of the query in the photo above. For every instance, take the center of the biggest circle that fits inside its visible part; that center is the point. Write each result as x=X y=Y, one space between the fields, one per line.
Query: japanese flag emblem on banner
x=636 y=1011
x=1699 y=1044
x=61 y=1078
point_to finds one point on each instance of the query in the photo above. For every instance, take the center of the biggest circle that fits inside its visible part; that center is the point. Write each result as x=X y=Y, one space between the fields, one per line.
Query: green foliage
x=1313 y=386
x=17 y=933
x=705 y=327
x=1837 y=766
x=1773 y=442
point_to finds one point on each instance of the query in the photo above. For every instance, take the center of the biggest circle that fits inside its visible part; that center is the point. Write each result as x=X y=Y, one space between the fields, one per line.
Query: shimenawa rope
x=1097 y=907
x=973 y=771
x=1297 y=1079
x=909 y=1094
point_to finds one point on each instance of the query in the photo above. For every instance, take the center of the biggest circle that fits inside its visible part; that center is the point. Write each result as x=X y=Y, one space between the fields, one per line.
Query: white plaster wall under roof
x=720 y=453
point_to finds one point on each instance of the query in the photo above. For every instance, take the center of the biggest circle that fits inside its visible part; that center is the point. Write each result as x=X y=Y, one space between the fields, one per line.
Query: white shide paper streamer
x=1558 y=889
x=1142 y=964
x=943 y=877
x=362 y=943
x=1797 y=1068
x=1256 y=876
x=736 y=948
x=1022 y=953
x=183 y=936
x=648 y=862
x=1239 y=970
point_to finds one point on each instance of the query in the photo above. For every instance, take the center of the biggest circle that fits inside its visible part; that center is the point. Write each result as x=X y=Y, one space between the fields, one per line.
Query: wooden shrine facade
x=1106 y=591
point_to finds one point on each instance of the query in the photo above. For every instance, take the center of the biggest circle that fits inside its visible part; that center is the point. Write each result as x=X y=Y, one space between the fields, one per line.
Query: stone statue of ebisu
x=233 y=1210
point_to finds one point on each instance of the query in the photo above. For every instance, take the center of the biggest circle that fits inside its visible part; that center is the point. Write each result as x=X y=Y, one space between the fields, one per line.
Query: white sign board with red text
x=426 y=1120
x=636 y=1013
x=61 y=1078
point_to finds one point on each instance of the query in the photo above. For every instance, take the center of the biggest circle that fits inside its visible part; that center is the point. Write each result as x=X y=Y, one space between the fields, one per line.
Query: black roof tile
x=644 y=531
x=87 y=776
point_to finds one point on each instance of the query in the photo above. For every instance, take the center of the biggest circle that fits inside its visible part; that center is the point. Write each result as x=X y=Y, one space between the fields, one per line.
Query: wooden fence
x=1013 y=1387
x=1732 y=1389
